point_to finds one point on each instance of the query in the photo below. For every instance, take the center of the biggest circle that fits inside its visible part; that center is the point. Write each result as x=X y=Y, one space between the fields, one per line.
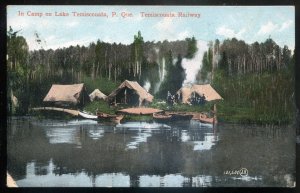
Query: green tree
x=137 y=54
x=175 y=76
x=192 y=47
x=17 y=71
x=99 y=59
x=207 y=63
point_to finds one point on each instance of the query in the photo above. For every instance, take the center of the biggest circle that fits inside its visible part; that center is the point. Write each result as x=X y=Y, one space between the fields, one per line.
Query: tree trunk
x=115 y=67
x=93 y=71
x=109 y=71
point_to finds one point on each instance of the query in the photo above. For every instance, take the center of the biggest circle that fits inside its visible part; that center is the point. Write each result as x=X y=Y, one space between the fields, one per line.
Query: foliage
x=158 y=104
x=174 y=77
x=101 y=106
x=103 y=84
x=265 y=99
x=256 y=81
x=51 y=115
x=150 y=75
x=137 y=118
x=17 y=72
x=237 y=57
x=192 y=47
x=207 y=64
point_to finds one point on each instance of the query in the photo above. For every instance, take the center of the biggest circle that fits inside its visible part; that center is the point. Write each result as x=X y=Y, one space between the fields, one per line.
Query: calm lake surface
x=85 y=153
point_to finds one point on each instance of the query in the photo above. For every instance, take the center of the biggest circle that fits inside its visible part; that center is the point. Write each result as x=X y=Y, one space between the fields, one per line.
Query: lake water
x=85 y=153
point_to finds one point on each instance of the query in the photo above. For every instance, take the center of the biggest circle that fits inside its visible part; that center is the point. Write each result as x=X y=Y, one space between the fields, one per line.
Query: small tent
x=130 y=92
x=97 y=95
x=67 y=95
x=185 y=93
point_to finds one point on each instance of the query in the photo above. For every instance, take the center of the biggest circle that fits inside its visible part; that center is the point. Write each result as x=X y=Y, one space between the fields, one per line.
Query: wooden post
x=215 y=114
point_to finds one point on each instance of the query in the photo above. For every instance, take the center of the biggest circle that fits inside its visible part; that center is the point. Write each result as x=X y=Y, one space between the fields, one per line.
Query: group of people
x=195 y=99
x=171 y=99
x=198 y=100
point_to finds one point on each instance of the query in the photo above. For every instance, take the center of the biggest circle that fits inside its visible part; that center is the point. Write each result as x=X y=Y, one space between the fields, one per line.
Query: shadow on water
x=189 y=154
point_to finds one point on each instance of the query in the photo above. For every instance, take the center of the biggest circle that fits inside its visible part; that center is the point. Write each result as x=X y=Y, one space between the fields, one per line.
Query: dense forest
x=256 y=80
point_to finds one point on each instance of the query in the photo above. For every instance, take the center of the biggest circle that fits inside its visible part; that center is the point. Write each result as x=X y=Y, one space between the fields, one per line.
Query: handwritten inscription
x=241 y=172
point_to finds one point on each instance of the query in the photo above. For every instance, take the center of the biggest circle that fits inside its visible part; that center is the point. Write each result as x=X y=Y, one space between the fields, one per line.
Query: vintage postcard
x=151 y=96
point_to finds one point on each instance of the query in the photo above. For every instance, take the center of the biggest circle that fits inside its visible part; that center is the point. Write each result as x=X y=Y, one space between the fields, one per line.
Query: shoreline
x=220 y=119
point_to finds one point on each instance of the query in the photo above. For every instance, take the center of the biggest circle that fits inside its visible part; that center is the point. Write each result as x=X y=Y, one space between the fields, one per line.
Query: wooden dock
x=69 y=111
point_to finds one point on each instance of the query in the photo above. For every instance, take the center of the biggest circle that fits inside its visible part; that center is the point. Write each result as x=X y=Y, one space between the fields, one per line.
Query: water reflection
x=142 y=125
x=70 y=132
x=96 y=132
x=63 y=135
x=50 y=178
x=209 y=140
x=140 y=138
x=86 y=153
x=201 y=181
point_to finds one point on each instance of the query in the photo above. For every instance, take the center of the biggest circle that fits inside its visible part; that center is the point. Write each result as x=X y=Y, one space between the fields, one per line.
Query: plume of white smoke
x=147 y=86
x=192 y=66
x=161 y=73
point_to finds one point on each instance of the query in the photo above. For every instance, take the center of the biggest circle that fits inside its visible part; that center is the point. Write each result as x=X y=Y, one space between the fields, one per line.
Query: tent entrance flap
x=127 y=96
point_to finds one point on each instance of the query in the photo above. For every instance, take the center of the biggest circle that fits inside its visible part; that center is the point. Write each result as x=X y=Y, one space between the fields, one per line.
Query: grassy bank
x=137 y=118
x=102 y=106
x=51 y=115
x=158 y=104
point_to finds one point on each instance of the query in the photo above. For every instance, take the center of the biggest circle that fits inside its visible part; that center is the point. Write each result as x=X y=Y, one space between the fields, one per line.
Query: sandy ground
x=10 y=181
x=140 y=111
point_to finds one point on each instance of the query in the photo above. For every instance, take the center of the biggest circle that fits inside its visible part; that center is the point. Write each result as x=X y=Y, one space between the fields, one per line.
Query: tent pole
x=125 y=96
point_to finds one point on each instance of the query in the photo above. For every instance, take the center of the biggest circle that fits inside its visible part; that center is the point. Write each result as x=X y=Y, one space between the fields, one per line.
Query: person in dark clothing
x=203 y=99
x=170 y=99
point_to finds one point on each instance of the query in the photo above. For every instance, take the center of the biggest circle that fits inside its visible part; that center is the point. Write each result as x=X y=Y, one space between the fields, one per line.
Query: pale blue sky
x=250 y=24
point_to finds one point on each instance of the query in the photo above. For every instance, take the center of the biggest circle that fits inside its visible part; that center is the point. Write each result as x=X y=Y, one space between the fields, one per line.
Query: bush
x=101 y=106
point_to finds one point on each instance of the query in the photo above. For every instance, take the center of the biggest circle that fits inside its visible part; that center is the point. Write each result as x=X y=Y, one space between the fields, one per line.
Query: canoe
x=162 y=117
x=87 y=116
x=108 y=117
x=165 y=117
x=203 y=118
x=181 y=116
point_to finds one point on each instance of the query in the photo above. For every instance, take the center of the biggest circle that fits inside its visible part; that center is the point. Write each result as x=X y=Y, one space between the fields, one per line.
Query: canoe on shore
x=159 y=117
x=108 y=117
x=203 y=118
x=165 y=117
x=87 y=115
x=207 y=120
x=181 y=116
x=197 y=116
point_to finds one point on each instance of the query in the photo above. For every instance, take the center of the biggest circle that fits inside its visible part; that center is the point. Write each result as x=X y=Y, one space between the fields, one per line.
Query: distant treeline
x=103 y=60
x=236 y=57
